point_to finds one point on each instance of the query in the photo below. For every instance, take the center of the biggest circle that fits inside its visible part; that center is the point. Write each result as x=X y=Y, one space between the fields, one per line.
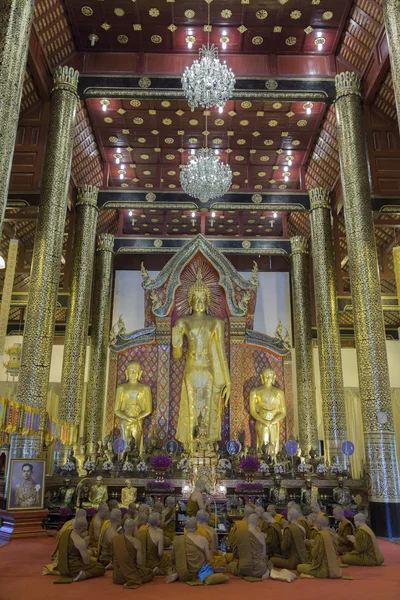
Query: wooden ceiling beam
x=38 y=65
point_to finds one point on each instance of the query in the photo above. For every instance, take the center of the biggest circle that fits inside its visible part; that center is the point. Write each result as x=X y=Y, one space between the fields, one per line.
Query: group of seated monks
x=264 y=545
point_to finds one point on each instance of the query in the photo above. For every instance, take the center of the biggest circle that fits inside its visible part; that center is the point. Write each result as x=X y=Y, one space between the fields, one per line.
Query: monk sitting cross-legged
x=108 y=532
x=271 y=509
x=96 y=524
x=217 y=560
x=52 y=568
x=293 y=546
x=273 y=535
x=324 y=556
x=366 y=551
x=152 y=541
x=345 y=529
x=303 y=521
x=190 y=558
x=168 y=519
x=128 y=568
x=239 y=526
x=130 y=514
x=74 y=562
x=259 y=510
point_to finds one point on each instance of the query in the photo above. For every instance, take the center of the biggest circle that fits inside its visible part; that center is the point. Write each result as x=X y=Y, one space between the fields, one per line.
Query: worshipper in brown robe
x=242 y=524
x=271 y=509
x=273 y=536
x=303 y=521
x=217 y=559
x=152 y=541
x=259 y=510
x=128 y=569
x=252 y=559
x=52 y=568
x=95 y=527
x=108 y=532
x=345 y=529
x=190 y=553
x=168 y=520
x=131 y=513
x=324 y=555
x=292 y=545
x=366 y=551
x=74 y=562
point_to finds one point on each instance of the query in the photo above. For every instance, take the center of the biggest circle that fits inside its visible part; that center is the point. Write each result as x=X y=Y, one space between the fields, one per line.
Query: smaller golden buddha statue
x=202 y=443
x=267 y=407
x=278 y=493
x=98 y=494
x=342 y=494
x=128 y=494
x=133 y=403
x=309 y=493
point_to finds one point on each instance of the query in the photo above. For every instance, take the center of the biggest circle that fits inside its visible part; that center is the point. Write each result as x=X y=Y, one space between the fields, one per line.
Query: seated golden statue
x=128 y=569
x=128 y=494
x=324 y=555
x=133 y=403
x=342 y=494
x=366 y=551
x=97 y=495
x=278 y=493
x=267 y=407
x=190 y=553
x=74 y=562
x=206 y=379
x=202 y=444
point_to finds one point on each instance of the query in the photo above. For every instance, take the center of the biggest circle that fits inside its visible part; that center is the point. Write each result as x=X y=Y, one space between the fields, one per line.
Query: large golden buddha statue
x=267 y=407
x=206 y=379
x=133 y=403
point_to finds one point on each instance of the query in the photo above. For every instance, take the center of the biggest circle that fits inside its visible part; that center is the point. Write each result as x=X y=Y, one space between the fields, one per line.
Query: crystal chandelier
x=208 y=82
x=205 y=177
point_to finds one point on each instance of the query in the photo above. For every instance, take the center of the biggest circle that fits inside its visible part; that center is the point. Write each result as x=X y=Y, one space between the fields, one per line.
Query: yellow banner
x=7 y=291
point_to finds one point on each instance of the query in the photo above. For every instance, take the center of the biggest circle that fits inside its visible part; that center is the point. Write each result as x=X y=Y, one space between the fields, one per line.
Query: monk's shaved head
x=359 y=519
x=158 y=507
x=132 y=507
x=248 y=510
x=200 y=485
x=312 y=517
x=271 y=508
x=144 y=508
x=202 y=517
x=259 y=510
x=170 y=501
x=191 y=525
x=80 y=513
x=268 y=518
x=129 y=526
x=143 y=519
x=103 y=510
x=252 y=520
x=322 y=523
x=115 y=516
x=293 y=515
x=112 y=504
x=338 y=512
x=154 y=519
x=80 y=525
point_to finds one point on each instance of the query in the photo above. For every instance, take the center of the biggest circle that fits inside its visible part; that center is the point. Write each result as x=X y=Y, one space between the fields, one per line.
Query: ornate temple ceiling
x=152 y=139
x=256 y=26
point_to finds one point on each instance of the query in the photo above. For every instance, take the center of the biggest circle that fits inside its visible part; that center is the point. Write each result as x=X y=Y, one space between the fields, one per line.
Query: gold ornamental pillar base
x=73 y=371
x=46 y=260
x=329 y=347
x=306 y=403
x=15 y=26
x=373 y=373
x=95 y=394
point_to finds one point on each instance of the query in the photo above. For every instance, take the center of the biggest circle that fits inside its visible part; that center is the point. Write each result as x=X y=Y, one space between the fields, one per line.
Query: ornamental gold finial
x=299 y=244
x=319 y=198
x=348 y=84
x=105 y=241
x=65 y=78
x=199 y=286
x=87 y=194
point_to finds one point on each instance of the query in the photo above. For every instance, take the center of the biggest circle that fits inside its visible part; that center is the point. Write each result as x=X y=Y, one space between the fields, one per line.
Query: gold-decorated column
x=99 y=341
x=46 y=261
x=329 y=348
x=73 y=371
x=15 y=25
x=396 y=264
x=373 y=373
x=306 y=404
x=391 y=14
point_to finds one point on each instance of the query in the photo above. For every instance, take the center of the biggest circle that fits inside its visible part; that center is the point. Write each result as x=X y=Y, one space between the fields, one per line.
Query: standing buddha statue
x=268 y=408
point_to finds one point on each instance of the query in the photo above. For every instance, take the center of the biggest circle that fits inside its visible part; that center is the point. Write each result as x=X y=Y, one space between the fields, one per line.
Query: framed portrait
x=26 y=484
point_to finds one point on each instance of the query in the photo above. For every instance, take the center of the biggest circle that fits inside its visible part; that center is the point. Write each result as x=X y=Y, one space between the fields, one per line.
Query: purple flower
x=90 y=512
x=124 y=511
x=161 y=461
x=250 y=462
x=64 y=511
x=159 y=485
x=349 y=514
x=250 y=487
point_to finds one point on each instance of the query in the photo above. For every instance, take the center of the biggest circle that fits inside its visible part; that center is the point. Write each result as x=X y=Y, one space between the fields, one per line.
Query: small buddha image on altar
x=268 y=408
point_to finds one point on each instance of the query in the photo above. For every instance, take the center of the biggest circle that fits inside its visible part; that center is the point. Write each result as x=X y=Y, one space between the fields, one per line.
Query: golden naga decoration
x=133 y=403
x=206 y=379
x=267 y=407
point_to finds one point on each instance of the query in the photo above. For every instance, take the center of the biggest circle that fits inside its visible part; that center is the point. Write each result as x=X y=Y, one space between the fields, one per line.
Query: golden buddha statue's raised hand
x=206 y=379
x=267 y=407
x=133 y=403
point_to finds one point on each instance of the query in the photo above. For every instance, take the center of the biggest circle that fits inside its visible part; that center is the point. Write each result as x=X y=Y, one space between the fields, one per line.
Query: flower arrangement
x=321 y=468
x=162 y=461
x=264 y=468
x=90 y=512
x=64 y=511
x=349 y=514
x=255 y=488
x=279 y=468
x=336 y=468
x=159 y=485
x=250 y=462
x=69 y=466
x=127 y=466
x=303 y=468
x=89 y=465
x=142 y=466
x=107 y=465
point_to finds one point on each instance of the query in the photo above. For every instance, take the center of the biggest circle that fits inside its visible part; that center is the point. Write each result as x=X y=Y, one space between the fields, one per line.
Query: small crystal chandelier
x=208 y=82
x=205 y=177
